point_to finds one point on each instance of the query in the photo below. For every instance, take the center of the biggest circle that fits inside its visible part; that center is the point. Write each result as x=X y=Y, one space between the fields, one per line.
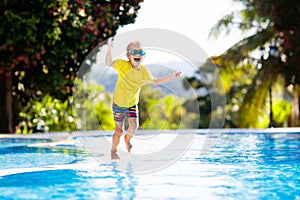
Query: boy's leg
x=119 y=114
x=133 y=124
x=116 y=140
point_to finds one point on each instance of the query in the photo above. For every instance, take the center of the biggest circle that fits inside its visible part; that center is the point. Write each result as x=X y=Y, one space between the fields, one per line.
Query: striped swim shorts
x=121 y=112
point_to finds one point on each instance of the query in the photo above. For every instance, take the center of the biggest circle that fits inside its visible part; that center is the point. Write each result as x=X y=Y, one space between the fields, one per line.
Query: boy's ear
x=127 y=54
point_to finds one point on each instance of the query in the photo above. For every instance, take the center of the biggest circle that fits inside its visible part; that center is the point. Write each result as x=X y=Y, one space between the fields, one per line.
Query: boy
x=132 y=75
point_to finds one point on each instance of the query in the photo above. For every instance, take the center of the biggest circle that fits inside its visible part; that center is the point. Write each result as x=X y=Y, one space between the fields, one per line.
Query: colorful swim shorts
x=121 y=112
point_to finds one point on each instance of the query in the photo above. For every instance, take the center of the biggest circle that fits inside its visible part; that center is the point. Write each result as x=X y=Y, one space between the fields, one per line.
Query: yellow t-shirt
x=129 y=83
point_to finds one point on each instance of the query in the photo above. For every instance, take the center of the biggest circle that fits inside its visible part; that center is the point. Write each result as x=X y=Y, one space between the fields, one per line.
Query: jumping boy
x=132 y=75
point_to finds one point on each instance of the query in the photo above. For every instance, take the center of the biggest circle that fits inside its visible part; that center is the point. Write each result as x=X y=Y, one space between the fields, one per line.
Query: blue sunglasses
x=134 y=52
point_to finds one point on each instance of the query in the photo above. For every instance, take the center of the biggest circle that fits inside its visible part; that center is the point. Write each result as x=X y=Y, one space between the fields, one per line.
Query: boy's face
x=135 y=55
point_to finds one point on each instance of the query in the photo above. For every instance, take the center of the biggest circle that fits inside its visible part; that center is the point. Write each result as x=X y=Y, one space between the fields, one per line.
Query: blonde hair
x=133 y=44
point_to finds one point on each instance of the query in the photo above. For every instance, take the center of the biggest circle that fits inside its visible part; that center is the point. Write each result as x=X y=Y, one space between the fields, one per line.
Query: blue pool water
x=241 y=165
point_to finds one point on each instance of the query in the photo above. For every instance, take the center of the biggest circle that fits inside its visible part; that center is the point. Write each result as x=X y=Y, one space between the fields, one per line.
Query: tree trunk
x=295 y=118
x=6 y=107
x=9 y=101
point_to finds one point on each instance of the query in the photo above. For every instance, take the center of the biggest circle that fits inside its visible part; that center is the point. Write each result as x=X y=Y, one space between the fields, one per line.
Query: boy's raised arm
x=108 y=61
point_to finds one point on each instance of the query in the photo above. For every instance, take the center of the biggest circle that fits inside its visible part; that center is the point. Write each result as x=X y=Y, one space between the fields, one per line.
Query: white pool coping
x=58 y=136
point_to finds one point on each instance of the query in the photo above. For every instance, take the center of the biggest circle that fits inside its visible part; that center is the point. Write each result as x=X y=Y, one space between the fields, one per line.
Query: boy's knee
x=136 y=126
x=133 y=126
x=119 y=131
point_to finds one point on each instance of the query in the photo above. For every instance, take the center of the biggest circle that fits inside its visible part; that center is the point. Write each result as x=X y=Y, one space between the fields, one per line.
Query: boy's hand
x=110 y=42
x=177 y=74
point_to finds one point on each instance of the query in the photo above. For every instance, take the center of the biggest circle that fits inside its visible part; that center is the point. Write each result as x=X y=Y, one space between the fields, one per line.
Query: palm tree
x=275 y=25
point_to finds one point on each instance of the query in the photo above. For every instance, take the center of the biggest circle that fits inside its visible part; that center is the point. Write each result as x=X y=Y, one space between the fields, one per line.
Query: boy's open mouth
x=136 y=59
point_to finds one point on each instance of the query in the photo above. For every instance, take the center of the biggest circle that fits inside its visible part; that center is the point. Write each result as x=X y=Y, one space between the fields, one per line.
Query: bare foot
x=127 y=143
x=114 y=155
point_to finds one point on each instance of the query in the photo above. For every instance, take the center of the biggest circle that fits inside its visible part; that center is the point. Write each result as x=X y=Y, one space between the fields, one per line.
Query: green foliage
x=92 y=107
x=282 y=111
x=44 y=43
x=161 y=114
x=269 y=23
x=88 y=109
x=146 y=95
x=213 y=84
x=47 y=115
x=104 y=116
x=160 y=111
x=251 y=108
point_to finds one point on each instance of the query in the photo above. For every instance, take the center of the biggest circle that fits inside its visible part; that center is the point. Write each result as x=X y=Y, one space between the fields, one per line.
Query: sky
x=192 y=18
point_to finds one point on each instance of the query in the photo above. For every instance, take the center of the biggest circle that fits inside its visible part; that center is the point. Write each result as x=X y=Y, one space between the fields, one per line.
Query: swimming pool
x=243 y=164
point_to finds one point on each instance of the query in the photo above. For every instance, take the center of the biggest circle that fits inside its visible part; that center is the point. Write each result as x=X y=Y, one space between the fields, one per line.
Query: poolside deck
x=58 y=136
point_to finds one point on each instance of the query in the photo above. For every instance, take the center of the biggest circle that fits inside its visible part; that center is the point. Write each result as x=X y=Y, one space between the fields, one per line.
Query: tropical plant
x=88 y=109
x=47 y=115
x=44 y=42
x=274 y=25
x=92 y=106
x=164 y=111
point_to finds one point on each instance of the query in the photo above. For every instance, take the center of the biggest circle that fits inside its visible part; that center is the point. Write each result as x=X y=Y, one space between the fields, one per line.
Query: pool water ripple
x=240 y=166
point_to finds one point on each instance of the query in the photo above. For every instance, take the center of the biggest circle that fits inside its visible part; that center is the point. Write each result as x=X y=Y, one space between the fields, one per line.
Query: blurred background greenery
x=43 y=44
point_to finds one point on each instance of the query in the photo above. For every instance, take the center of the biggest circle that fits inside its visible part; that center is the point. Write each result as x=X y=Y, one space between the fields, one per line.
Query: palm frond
x=240 y=51
x=253 y=102
x=255 y=99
